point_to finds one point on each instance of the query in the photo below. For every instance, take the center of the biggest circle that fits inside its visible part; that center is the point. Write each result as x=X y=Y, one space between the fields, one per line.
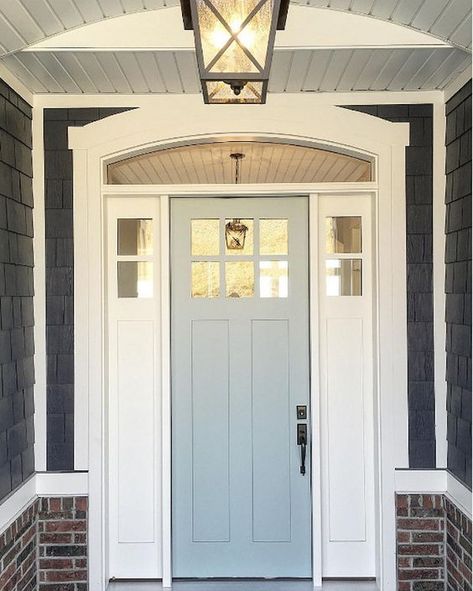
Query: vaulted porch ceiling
x=305 y=60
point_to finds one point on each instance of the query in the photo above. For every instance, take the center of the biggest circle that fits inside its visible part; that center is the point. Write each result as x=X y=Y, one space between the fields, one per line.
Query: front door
x=240 y=387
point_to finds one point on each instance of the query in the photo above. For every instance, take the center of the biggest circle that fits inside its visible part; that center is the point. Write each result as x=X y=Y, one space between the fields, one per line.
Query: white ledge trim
x=435 y=482
x=42 y=484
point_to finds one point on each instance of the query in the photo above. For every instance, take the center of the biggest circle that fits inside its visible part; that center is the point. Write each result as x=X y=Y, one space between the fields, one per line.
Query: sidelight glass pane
x=343 y=234
x=205 y=279
x=205 y=236
x=238 y=236
x=343 y=277
x=135 y=237
x=273 y=236
x=273 y=279
x=239 y=279
x=135 y=279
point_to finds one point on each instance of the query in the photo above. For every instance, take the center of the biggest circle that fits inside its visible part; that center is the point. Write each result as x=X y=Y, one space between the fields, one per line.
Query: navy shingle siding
x=458 y=282
x=59 y=279
x=420 y=332
x=16 y=292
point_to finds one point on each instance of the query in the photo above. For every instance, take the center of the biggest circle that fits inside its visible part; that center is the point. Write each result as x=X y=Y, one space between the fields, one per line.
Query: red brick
x=420 y=549
x=54 y=538
x=55 y=563
x=416 y=574
x=81 y=503
x=427 y=536
x=66 y=526
x=65 y=576
x=419 y=524
x=403 y=537
x=55 y=505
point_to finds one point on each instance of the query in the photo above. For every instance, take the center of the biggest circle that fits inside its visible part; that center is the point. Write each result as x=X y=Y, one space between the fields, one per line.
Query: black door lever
x=302 y=441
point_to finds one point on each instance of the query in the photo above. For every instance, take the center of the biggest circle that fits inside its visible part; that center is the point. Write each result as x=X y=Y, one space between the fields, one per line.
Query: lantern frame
x=236 y=80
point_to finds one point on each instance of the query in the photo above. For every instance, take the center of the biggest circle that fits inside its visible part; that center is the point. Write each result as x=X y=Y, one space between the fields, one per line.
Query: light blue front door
x=240 y=367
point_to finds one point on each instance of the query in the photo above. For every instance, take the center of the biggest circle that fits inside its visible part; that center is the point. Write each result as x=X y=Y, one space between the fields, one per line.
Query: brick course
x=458 y=549
x=18 y=552
x=433 y=544
x=45 y=549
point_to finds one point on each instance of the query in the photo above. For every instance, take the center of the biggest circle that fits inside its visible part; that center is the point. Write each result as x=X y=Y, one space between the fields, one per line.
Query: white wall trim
x=435 y=482
x=324 y=98
x=14 y=505
x=41 y=484
x=62 y=484
x=438 y=284
x=459 y=494
x=457 y=84
x=39 y=300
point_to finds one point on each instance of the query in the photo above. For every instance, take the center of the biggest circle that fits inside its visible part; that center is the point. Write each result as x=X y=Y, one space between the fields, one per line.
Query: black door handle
x=302 y=442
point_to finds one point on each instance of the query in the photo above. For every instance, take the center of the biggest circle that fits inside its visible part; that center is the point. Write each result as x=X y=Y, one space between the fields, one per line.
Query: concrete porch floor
x=245 y=586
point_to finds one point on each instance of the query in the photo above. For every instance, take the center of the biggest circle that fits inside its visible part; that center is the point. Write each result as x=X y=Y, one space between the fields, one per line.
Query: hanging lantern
x=235 y=234
x=234 y=42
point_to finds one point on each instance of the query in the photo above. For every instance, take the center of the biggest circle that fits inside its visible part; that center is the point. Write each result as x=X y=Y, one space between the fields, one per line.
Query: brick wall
x=45 y=548
x=62 y=544
x=16 y=293
x=458 y=283
x=420 y=523
x=18 y=552
x=433 y=544
x=458 y=549
x=420 y=332
x=59 y=280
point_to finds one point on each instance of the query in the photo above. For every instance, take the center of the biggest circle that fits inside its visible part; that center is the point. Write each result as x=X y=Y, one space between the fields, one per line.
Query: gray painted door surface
x=240 y=365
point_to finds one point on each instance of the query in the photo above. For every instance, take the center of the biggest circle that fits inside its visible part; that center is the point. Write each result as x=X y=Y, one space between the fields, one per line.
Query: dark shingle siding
x=458 y=282
x=420 y=341
x=59 y=279
x=16 y=292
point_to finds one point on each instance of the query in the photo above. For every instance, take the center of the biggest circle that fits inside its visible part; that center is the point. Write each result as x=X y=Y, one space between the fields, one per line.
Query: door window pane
x=205 y=236
x=343 y=234
x=343 y=277
x=239 y=236
x=273 y=279
x=239 y=279
x=135 y=237
x=205 y=279
x=273 y=236
x=135 y=279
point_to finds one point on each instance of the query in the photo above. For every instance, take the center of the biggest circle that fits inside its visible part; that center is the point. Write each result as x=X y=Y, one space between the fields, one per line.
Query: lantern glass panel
x=227 y=18
x=220 y=92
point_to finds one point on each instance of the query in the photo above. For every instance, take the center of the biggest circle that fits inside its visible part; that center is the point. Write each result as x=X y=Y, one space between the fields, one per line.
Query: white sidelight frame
x=178 y=120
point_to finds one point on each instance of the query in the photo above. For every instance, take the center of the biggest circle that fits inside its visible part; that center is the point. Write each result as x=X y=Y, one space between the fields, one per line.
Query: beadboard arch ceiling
x=29 y=28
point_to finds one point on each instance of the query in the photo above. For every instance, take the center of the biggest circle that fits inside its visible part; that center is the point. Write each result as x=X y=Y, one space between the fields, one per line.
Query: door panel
x=240 y=365
x=346 y=385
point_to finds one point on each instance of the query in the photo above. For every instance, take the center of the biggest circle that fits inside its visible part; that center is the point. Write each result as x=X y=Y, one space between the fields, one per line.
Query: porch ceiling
x=24 y=23
x=311 y=70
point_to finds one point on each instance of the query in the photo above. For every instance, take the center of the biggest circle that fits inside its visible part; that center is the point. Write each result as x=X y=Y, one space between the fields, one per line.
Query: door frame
x=129 y=133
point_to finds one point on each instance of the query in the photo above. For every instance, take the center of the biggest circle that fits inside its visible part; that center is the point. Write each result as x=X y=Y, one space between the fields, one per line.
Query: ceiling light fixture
x=234 y=42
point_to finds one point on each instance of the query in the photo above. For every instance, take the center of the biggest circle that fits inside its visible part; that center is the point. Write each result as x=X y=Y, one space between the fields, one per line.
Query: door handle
x=302 y=442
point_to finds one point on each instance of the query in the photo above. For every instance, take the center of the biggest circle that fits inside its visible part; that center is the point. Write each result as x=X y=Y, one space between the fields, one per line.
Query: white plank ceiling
x=263 y=162
x=24 y=22
x=311 y=70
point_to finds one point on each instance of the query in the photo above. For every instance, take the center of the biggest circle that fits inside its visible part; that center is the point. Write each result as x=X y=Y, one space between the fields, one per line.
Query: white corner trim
x=459 y=494
x=39 y=301
x=58 y=484
x=42 y=484
x=14 y=505
x=457 y=84
x=438 y=255
x=16 y=85
x=435 y=482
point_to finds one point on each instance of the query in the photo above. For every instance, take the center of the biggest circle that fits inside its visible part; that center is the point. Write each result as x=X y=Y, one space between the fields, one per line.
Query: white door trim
x=184 y=119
